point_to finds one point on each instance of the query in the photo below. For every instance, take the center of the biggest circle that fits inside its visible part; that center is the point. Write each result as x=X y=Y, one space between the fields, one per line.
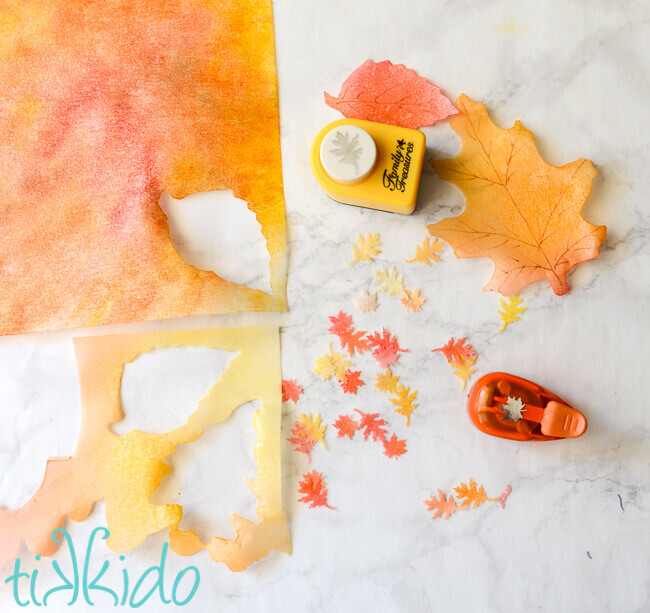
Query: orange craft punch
x=511 y=407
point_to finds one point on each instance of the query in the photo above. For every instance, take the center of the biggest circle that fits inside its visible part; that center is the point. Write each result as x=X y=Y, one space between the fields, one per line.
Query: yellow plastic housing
x=393 y=184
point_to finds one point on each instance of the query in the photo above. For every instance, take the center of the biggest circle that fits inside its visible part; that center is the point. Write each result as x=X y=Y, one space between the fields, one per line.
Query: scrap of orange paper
x=126 y=470
x=105 y=105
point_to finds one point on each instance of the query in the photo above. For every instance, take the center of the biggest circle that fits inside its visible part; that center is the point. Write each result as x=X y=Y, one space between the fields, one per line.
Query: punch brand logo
x=395 y=179
x=82 y=585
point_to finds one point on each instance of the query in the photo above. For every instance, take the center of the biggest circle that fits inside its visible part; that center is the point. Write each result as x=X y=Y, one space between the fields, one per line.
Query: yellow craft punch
x=369 y=164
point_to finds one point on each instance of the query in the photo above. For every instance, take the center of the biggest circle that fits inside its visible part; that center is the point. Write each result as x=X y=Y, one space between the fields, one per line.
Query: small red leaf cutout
x=386 y=348
x=394 y=447
x=345 y=426
x=372 y=426
x=456 y=352
x=314 y=490
x=351 y=381
x=290 y=390
x=393 y=94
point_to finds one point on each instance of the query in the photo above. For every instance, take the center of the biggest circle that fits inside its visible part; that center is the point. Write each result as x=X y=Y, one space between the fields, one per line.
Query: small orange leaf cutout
x=521 y=212
x=394 y=447
x=441 y=505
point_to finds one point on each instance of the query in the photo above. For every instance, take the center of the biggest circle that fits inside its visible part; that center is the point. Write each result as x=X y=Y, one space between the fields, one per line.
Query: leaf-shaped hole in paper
x=208 y=477
x=161 y=388
x=236 y=250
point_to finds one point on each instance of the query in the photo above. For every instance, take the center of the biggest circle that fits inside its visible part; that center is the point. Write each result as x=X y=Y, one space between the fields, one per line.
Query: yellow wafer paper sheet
x=105 y=105
x=126 y=470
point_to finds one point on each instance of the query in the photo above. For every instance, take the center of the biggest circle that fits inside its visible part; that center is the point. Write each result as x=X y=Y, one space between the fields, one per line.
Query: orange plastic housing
x=544 y=416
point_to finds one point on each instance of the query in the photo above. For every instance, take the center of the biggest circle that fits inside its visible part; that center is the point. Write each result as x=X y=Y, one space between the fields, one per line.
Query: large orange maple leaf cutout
x=521 y=212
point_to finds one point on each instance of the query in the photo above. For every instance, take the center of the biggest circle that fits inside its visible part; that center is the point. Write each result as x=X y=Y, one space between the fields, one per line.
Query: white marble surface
x=575 y=533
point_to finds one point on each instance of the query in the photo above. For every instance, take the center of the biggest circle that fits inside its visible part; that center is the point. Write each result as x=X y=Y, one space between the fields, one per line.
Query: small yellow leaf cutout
x=387 y=382
x=405 y=402
x=412 y=301
x=366 y=248
x=331 y=364
x=428 y=252
x=389 y=281
x=511 y=310
x=312 y=426
x=464 y=370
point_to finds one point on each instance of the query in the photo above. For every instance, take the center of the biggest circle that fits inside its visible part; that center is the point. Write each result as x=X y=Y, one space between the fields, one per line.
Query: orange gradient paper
x=126 y=470
x=105 y=105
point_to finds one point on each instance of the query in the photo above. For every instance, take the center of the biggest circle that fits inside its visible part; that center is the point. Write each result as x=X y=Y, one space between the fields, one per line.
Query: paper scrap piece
x=291 y=390
x=428 y=252
x=107 y=107
x=366 y=249
x=389 y=281
x=314 y=490
x=307 y=431
x=366 y=301
x=521 y=212
x=469 y=496
x=412 y=301
x=392 y=94
x=125 y=471
x=511 y=310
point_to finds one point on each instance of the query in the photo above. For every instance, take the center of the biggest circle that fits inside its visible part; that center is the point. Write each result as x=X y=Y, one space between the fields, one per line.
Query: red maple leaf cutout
x=345 y=426
x=394 y=447
x=386 y=348
x=351 y=381
x=302 y=440
x=290 y=390
x=441 y=505
x=393 y=94
x=314 y=490
x=349 y=338
x=372 y=425
x=456 y=352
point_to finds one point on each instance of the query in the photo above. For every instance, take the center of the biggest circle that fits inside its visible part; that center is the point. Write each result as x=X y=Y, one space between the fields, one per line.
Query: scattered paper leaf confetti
x=386 y=381
x=405 y=402
x=389 y=281
x=504 y=496
x=511 y=310
x=345 y=426
x=412 y=301
x=521 y=212
x=387 y=348
x=366 y=301
x=513 y=409
x=428 y=252
x=351 y=381
x=391 y=94
x=464 y=370
x=126 y=470
x=291 y=390
x=456 y=351
x=349 y=338
x=470 y=496
x=366 y=249
x=394 y=447
x=441 y=505
x=372 y=426
x=330 y=365
x=314 y=490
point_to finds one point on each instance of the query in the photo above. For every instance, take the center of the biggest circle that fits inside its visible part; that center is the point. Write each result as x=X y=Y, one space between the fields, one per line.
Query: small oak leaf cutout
x=428 y=252
x=394 y=447
x=350 y=339
x=372 y=426
x=521 y=212
x=469 y=494
x=464 y=370
x=456 y=351
x=511 y=310
x=405 y=402
x=441 y=505
x=412 y=301
x=389 y=281
x=366 y=248
x=314 y=490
